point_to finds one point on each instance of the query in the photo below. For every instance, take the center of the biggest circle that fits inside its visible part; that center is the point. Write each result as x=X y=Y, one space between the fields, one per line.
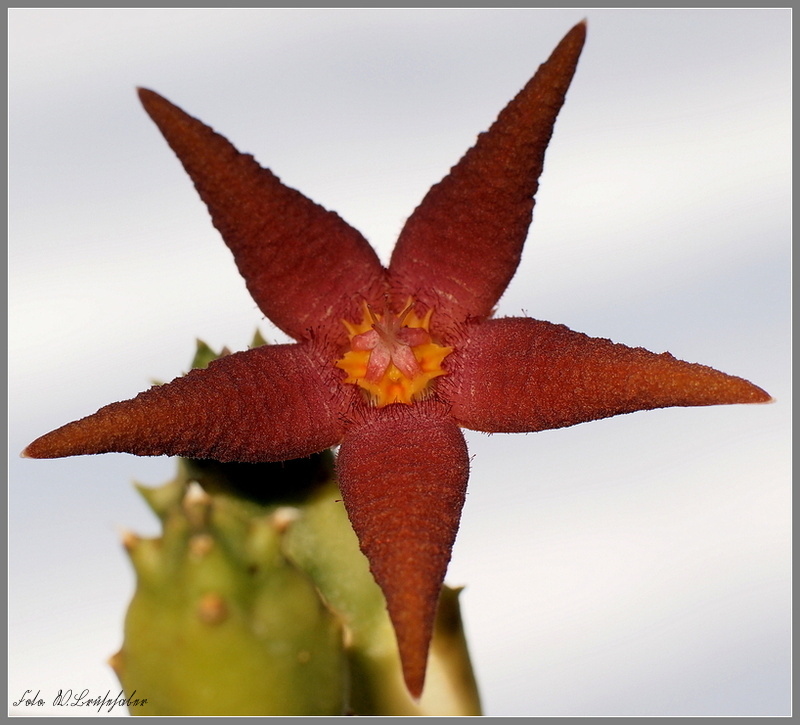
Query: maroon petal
x=517 y=375
x=266 y=404
x=403 y=478
x=304 y=266
x=460 y=248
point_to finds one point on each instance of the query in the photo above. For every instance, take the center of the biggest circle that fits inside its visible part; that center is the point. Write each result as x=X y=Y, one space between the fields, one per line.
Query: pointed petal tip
x=755 y=394
x=738 y=391
x=149 y=99
x=156 y=105
x=51 y=445
x=413 y=644
x=763 y=397
x=577 y=31
x=33 y=450
x=414 y=685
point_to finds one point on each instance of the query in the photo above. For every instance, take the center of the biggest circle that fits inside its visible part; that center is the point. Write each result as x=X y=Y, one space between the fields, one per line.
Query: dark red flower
x=390 y=363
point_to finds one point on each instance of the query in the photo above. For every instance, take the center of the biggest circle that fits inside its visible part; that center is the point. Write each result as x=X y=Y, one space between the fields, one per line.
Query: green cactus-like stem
x=222 y=623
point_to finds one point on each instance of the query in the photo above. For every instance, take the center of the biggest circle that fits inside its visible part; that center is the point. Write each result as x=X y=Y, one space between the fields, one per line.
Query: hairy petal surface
x=304 y=266
x=266 y=404
x=403 y=478
x=519 y=375
x=461 y=246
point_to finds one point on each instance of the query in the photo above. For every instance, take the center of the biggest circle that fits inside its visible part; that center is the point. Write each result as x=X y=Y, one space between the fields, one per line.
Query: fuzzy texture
x=393 y=492
x=483 y=208
x=308 y=270
x=520 y=375
x=262 y=220
x=268 y=404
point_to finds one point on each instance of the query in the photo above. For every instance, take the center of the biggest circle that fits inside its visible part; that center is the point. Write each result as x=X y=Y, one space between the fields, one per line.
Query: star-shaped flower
x=389 y=364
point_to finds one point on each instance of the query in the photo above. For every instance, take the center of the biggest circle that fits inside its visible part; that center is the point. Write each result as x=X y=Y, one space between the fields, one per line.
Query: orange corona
x=393 y=357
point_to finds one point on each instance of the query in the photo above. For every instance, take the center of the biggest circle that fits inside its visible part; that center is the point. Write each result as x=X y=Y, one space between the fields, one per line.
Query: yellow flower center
x=391 y=356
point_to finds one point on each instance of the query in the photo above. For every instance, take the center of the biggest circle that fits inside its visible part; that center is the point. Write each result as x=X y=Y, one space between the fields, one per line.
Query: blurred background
x=633 y=566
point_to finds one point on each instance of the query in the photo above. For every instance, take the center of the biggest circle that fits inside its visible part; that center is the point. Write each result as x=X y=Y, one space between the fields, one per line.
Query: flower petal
x=518 y=375
x=266 y=404
x=403 y=479
x=304 y=266
x=460 y=248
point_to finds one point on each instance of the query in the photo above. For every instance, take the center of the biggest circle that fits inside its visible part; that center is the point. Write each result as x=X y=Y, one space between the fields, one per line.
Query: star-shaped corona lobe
x=403 y=463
